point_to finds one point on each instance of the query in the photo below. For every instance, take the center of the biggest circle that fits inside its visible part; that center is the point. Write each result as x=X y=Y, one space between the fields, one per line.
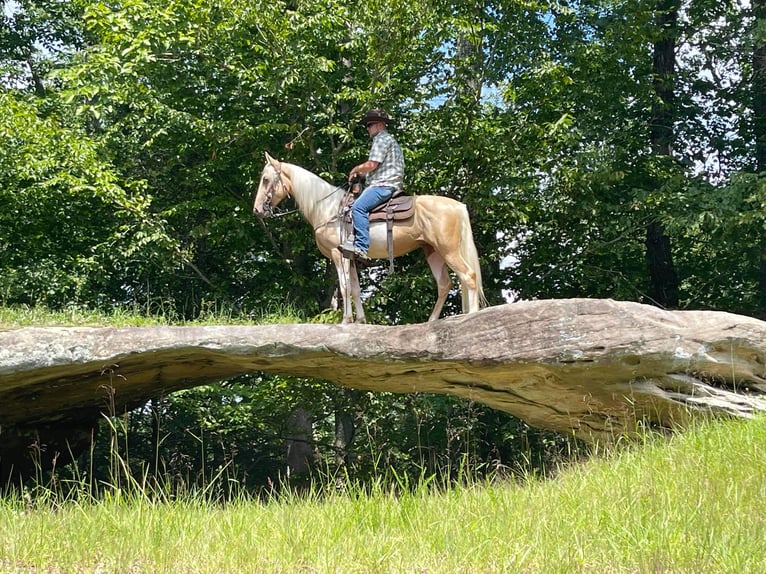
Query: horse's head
x=275 y=185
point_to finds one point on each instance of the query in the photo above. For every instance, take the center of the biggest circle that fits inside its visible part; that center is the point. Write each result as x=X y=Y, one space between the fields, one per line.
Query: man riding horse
x=384 y=175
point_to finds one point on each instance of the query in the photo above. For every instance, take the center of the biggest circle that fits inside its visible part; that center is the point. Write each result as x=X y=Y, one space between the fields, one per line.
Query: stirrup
x=351 y=252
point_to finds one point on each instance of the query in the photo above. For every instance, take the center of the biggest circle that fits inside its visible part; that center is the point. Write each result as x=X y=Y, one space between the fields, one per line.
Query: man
x=384 y=173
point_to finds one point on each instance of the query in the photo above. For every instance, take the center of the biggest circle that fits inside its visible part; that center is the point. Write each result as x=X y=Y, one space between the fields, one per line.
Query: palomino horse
x=440 y=226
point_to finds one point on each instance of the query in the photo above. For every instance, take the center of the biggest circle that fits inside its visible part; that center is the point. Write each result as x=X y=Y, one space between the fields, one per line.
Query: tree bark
x=299 y=443
x=344 y=435
x=759 y=123
x=346 y=413
x=759 y=84
x=662 y=272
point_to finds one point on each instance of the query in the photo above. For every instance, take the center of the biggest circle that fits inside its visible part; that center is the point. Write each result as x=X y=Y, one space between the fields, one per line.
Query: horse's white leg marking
x=443 y=282
x=470 y=297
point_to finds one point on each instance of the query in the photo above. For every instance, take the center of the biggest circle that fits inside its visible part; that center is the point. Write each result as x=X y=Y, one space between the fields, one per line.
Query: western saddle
x=396 y=208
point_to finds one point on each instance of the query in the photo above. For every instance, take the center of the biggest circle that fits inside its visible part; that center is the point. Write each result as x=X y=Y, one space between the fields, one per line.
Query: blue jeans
x=366 y=202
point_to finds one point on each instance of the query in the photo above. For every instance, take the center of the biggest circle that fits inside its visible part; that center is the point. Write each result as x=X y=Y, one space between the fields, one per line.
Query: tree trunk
x=299 y=442
x=662 y=272
x=344 y=435
x=759 y=124
x=759 y=83
x=346 y=412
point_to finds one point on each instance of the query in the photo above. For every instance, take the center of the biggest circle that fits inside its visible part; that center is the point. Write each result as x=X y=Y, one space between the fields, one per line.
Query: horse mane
x=308 y=191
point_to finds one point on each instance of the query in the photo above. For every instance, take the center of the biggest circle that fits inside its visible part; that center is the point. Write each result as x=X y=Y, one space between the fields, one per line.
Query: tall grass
x=693 y=504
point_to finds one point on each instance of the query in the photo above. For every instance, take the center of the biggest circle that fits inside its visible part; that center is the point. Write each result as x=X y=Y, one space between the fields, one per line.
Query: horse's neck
x=317 y=200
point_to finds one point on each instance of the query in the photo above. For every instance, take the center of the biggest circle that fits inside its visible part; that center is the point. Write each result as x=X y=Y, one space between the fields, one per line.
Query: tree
x=759 y=83
x=68 y=222
x=759 y=121
x=662 y=273
x=715 y=213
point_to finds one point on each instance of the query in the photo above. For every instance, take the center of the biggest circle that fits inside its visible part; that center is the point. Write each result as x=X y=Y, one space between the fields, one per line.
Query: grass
x=154 y=314
x=693 y=504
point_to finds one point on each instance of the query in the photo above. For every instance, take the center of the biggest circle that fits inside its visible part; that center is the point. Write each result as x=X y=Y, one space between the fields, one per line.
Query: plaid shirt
x=390 y=172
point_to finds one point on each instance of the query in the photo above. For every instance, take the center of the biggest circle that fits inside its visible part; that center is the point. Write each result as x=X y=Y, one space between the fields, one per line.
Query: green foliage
x=723 y=226
x=132 y=134
x=68 y=224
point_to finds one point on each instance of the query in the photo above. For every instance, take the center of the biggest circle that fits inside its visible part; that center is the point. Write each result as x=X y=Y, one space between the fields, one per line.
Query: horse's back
x=437 y=201
x=439 y=207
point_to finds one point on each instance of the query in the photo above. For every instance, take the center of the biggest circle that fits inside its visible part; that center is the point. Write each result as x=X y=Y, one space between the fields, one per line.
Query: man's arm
x=363 y=168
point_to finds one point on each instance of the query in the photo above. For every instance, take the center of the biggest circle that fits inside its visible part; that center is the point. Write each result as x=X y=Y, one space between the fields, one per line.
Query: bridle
x=267 y=207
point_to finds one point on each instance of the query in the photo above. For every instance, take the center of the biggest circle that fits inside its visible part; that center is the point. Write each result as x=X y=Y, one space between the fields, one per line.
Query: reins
x=283 y=213
x=339 y=214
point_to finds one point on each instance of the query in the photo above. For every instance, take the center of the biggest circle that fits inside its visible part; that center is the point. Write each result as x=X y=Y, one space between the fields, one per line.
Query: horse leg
x=356 y=293
x=443 y=282
x=467 y=277
x=343 y=268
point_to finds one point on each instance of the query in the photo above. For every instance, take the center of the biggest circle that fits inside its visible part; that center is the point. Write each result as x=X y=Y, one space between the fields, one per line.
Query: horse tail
x=471 y=256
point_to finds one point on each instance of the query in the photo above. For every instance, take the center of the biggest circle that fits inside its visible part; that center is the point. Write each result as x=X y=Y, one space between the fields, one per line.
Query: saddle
x=398 y=207
x=395 y=208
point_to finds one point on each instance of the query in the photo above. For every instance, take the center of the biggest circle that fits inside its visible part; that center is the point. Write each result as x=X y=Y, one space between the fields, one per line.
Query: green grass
x=695 y=503
x=154 y=314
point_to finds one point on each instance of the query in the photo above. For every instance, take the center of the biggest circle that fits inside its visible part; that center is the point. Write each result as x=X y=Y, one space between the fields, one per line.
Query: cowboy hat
x=376 y=115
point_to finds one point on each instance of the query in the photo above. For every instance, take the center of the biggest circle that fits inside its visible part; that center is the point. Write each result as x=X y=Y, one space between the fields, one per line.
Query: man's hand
x=355 y=181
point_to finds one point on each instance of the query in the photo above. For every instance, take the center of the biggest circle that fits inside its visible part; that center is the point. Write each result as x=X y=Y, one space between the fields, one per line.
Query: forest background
x=605 y=148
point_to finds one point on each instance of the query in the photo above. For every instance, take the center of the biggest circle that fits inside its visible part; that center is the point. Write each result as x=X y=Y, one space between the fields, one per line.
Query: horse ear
x=272 y=161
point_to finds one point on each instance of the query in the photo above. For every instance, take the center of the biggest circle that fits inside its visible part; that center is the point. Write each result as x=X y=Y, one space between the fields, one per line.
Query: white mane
x=317 y=200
